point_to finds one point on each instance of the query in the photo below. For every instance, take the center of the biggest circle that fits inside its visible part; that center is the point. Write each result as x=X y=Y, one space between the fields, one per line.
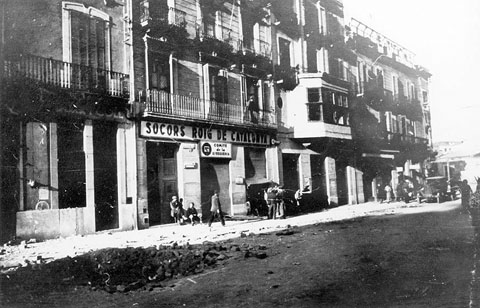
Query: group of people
x=191 y=215
x=180 y=215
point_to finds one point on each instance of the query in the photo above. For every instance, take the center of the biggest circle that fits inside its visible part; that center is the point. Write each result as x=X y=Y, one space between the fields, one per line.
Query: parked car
x=435 y=189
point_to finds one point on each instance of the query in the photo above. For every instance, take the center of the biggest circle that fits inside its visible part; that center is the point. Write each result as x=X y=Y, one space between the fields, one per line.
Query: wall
x=237 y=190
x=48 y=224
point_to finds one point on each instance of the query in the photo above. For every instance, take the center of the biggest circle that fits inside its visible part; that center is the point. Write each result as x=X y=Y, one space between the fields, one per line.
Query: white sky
x=445 y=36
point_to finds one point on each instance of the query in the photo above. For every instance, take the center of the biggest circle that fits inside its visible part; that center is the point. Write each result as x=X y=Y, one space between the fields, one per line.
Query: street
x=407 y=255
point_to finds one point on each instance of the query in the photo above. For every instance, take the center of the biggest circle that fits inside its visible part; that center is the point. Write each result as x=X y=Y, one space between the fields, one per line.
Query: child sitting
x=192 y=214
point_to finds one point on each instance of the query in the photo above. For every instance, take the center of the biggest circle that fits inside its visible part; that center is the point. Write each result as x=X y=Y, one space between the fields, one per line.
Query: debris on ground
x=126 y=269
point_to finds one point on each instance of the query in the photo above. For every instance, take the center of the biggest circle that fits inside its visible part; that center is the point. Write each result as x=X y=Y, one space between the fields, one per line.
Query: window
x=380 y=78
x=322 y=60
x=86 y=33
x=395 y=85
x=322 y=20
x=160 y=73
x=218 y=85
x=425 y=96
x=86 y=42
x=284 y=50
x=314 y=106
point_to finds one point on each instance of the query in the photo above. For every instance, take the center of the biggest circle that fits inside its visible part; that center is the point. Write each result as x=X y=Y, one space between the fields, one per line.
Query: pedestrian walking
x=466 y=191
x=216 y=209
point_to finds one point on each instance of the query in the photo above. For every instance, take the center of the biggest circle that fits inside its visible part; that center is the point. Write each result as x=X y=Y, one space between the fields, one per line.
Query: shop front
x=191 y=161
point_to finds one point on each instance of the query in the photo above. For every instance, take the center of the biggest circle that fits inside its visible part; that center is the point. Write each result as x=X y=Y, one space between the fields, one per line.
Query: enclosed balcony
x=75 y=77
x=325 y=114
x=168 y=105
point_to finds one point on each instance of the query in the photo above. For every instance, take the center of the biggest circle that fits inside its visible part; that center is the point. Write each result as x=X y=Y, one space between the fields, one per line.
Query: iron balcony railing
x=162 y=103
x=67 y=75
x=220 y=33
x=397 y=137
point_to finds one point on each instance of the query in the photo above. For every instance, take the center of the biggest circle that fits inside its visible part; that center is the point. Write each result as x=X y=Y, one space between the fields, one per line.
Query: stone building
x=196 y=65
x=391 y=113
x=66 y=165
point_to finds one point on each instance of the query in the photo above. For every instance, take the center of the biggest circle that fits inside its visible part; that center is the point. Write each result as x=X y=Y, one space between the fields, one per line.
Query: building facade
x=391 y=114
x=204 y=104
x=66 y=166
x=111 y=108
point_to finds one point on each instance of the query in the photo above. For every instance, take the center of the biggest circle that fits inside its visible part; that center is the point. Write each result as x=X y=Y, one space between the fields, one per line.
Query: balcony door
x=284 y=51
x=86 y=44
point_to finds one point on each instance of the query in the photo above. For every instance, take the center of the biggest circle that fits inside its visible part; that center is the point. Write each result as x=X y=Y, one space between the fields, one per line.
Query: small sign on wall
x=215 y=149
x=43 y=193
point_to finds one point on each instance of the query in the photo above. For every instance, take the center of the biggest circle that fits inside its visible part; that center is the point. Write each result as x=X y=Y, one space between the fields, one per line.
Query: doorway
x=215 y=176
x=161 y=180
x=291 y=174
x=105 y=175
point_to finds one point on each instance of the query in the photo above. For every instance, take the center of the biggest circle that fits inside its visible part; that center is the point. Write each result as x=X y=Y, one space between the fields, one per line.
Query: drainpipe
x=2 y=43
x=147 y=72
x=130 y=63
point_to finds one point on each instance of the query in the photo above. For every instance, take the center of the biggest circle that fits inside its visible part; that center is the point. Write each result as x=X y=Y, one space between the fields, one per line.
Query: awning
x=379 y=155
x=259 y=181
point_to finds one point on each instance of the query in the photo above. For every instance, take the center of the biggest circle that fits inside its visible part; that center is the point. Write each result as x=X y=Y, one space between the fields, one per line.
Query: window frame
x=67 y=8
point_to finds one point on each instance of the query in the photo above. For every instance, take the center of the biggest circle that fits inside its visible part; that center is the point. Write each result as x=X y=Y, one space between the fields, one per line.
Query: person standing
x=466 y=194
x=388 y=193
x=270 y=195
x=280 y=203
x=216 y=209
x=252 y=108
x=174 y=209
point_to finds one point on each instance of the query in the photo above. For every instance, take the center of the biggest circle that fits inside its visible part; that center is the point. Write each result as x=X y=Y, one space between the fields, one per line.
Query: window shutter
x=206 y=82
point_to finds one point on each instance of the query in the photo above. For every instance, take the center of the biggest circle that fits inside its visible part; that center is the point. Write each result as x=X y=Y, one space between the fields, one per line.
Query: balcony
x=319 y=129
x=257 y=47
x=66 y=75
x=164 y=104
x=177 y=17
x=400 y=139
x=376 y=96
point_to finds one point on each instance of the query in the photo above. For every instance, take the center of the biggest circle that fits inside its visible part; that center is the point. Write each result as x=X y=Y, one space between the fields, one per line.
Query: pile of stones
x=128 y=269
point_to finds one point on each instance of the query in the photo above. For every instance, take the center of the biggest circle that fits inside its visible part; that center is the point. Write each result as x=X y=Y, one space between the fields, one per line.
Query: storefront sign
x=215 y=149
x=193 y=133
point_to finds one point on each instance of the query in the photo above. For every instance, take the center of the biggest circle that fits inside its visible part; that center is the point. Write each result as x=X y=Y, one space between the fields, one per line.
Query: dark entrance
x=342 y=185
x=215 y=176
x=162 y=180
x=290 y=171
x=105 y=175
x=319 y=190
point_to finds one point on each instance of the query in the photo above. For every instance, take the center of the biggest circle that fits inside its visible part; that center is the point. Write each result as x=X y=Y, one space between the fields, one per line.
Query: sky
x=445 y=36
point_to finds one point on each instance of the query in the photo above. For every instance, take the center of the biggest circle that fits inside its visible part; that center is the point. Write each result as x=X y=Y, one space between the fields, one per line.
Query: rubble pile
x=126 y=269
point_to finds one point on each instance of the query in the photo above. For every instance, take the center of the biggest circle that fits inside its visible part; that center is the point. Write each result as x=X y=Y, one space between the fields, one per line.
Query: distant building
x=461 y=161
x=392 y=123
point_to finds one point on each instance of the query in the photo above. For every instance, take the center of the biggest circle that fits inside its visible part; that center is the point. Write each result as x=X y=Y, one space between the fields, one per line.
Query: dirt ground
x=420 y=259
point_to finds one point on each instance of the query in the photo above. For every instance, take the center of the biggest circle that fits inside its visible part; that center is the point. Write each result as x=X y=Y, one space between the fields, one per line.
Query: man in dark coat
x=216 y=209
